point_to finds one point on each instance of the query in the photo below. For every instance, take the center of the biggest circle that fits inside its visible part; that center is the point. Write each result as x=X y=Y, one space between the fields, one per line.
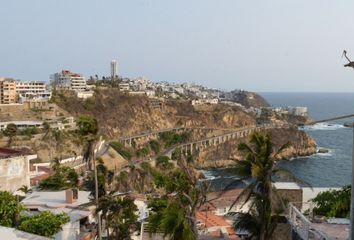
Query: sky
x=256 y=45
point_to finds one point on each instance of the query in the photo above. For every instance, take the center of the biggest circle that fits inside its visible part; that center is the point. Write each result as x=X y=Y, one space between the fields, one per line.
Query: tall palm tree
x=178 y=219
x=260 y=166
x=120 y=215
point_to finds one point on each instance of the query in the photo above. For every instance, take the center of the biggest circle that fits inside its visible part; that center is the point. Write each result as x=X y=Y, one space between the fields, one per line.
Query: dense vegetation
x=44 y=224
x=172 y=138
x=333 y=203
x=9 y=209
x=124 y=152
x=63 y=178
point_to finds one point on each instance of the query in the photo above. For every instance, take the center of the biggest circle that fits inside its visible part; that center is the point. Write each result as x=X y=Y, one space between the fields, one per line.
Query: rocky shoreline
x=227 y=155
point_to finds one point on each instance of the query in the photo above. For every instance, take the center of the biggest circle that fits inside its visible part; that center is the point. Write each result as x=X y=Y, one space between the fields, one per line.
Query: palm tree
x=260 y=166
x=178 y=219
x=120 y=215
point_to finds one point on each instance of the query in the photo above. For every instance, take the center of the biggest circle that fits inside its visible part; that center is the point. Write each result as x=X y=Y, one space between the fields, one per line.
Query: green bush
x=176 y=154
x=63 y=178
x=9 y=208
x=45 y=223
x=172 y=138
x=121 y=150
x=142 y=152
x=163 y=162
x=155 y=146
x=333 y=203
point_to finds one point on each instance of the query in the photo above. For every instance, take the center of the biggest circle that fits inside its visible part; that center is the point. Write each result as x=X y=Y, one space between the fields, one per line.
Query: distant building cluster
x=67 y=80
x=14 y=91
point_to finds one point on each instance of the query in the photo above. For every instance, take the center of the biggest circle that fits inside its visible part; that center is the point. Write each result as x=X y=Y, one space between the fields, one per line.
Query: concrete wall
x=70 y=231
x=15 y=172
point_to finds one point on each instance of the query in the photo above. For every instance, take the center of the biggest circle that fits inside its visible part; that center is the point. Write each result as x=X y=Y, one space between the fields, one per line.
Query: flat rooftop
x=54 y=199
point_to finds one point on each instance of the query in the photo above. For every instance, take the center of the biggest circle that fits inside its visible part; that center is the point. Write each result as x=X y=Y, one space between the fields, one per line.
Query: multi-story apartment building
x=67 y=80
x=8 y=93
x=34 y=90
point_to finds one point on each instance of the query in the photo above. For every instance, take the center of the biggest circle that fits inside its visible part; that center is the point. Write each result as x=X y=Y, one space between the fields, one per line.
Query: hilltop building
x=67 y=80
x=32 y=91
x=8 y=93
x=113 y=69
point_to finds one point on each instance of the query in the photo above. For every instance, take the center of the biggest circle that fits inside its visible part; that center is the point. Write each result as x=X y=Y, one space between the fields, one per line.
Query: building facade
x=34 y=90
x=8 y=93
x=14 y=169
x=67 y=80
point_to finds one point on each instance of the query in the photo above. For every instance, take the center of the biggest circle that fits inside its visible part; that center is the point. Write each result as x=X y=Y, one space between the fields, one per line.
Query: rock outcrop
x=227 y=154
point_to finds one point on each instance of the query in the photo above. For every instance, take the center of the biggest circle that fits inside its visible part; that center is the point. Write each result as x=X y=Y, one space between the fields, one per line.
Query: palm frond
x=282 y=148
x=247 y=222
x=245 y=148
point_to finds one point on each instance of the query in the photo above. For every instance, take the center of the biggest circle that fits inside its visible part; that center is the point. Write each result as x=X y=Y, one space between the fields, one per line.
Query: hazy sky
x=272 y=45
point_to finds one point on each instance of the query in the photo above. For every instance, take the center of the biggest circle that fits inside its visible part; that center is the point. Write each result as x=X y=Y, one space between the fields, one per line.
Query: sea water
x=332 y=169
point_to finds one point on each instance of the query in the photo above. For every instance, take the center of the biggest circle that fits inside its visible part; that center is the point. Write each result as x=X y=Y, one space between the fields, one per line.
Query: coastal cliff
x=120 y=114
x=227 y=154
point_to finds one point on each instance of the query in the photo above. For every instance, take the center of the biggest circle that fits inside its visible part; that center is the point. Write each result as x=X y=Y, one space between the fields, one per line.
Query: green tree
x=45 y=223
x=260 y=165
x=333 y=203
x=155 y=146
x=163 y=162
x=176 y=154
x=176 y=217
x=63 y=178
x=120 y=215
x=10 y=132
x=25 y=189
x=9 y=209
x=104 y=177
x=88 y=129
x=119 y=148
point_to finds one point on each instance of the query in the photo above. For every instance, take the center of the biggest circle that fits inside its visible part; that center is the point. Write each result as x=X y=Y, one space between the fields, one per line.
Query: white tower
x=113 y=69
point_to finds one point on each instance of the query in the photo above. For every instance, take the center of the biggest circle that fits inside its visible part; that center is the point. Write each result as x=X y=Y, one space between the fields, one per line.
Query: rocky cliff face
x=250 y=99
x=227 y=154
x=120 y=114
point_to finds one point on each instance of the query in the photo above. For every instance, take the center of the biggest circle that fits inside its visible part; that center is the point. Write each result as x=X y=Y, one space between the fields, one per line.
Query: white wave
x=323 y=126
x=327 y=154
x=208 y=175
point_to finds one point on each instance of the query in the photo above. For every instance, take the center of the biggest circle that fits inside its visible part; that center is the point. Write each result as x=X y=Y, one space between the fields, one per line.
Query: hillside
x=120 y=114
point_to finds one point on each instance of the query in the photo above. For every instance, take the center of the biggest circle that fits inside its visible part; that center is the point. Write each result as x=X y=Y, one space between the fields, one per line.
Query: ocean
x=332 y=169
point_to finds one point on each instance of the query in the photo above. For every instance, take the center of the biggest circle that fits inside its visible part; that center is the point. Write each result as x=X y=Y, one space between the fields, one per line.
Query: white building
x=205 y=101
x=67 y=80
x=298 y=111
x=14 y=168
x=22 y=124
x=69 y=201
x=34 y=90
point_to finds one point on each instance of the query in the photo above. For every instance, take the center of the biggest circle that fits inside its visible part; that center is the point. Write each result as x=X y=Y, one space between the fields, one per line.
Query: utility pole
x=351 y=237
x=351 y=230
x=96 y=190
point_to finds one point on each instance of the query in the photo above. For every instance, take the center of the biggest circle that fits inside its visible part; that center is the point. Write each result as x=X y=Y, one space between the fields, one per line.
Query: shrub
x=333 y=203
x=142 y=152
x=155 y=146
x=121 y=150
x=45 y=223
